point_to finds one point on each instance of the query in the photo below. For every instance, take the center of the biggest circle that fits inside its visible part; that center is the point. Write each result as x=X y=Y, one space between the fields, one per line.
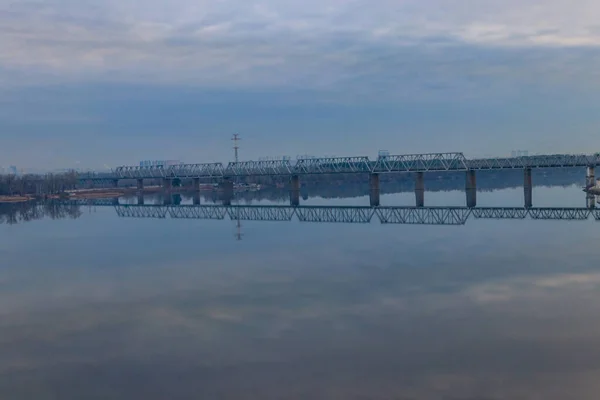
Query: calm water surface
x=102 y=307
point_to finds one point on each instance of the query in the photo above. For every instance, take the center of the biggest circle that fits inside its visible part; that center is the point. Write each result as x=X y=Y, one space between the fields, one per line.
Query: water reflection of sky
x=109 y=308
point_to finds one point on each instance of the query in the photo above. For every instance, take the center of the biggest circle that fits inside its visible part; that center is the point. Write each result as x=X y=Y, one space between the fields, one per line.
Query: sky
x=96 y=84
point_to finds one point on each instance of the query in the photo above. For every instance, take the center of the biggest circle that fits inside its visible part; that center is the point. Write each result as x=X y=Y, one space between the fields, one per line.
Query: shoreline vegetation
x=83 y=194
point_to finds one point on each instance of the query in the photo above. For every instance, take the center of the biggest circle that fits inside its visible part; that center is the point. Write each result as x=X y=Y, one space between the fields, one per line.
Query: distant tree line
x=37 y=185
x=13 y=213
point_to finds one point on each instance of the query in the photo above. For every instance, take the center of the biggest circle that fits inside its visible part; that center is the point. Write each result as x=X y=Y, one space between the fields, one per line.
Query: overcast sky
x=92 y=83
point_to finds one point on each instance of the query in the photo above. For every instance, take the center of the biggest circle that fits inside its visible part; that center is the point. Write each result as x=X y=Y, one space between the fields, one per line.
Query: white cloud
x=310 y=44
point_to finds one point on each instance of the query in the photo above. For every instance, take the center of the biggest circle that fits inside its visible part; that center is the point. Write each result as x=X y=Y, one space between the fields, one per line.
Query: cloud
x=432 y=46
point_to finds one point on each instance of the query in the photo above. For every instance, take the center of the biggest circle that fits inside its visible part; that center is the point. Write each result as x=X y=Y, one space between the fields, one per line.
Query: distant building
x=519 y=153
x=159 y=163
x=13 y=170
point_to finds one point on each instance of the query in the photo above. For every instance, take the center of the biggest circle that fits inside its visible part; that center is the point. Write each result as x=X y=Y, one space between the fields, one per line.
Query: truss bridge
x=354 y=215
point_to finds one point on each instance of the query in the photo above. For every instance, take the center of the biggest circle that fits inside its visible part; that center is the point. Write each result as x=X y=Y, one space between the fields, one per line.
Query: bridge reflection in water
x=354 y=215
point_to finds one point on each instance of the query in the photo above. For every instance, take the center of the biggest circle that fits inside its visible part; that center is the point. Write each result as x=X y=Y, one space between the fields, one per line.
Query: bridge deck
x=434 y=162
x=348 y=214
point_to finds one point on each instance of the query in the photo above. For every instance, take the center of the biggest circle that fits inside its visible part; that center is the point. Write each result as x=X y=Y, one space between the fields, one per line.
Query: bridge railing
x=202 y=170
x=266 y=167
x=332 y=165
x=543 y=161
x=354 y=215
x=420 y=162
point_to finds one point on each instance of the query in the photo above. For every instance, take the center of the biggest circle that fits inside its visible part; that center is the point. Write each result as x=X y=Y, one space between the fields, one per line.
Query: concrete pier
x=471 y=188
x=227 y=191
x=167 y=184
x=420 y=189
x=590 y=201
x=374 y=190
x=590 y=177
x=115 y=183
x=295 y=190
x=140 y=184
x=196 y=184
x=528 y=188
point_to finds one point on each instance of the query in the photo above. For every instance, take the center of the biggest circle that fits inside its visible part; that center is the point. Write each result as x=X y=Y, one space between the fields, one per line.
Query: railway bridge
x=417 y=164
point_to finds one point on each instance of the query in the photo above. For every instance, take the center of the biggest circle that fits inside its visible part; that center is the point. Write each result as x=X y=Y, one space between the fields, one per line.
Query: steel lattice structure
x=135 y=211
x=333 y=165
x=424 y=216
x=433 y=162
x=499 y=213
x=545 y=161
x=261 y=213
x=570 y=214
x=421 y=163
x=347 y=214
x=258 y=168
x=210 y=170
x=195 y=212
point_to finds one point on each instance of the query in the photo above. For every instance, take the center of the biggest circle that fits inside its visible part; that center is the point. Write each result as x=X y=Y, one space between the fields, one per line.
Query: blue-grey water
x=98 y=306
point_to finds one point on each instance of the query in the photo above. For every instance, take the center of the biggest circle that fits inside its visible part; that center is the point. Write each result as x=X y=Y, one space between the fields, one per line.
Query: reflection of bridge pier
x=140 y=199
x=471 y=188
x=374 y=191
x=590 y=176
x=590 y=201
x=420 y=189
x=528 y=188
x=295 y=190
x=353 y=215
x=196 y=198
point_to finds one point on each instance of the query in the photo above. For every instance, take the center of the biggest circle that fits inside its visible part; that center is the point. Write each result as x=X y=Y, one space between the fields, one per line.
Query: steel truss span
x=433 y=162
x=348 y=215
x=421 y=163
x=352 y=215
x=423 y=216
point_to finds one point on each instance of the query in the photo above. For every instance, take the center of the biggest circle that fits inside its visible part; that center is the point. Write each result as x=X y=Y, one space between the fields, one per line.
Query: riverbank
x=80 y=195
x=15 y=199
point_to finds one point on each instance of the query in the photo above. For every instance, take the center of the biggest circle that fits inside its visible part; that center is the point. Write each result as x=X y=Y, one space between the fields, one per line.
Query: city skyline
x=111 y=84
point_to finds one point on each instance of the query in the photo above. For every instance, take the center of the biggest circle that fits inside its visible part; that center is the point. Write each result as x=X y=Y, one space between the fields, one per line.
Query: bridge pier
x=115 y=183
x=140 y=184
x=227 y=191
x=295 y=190
x=374 y=190
x=167 y=184
x=590 y=200
x=471 y=188
x=196 y=184
x=590 y=177
x=528 y=188
x=420 y=189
